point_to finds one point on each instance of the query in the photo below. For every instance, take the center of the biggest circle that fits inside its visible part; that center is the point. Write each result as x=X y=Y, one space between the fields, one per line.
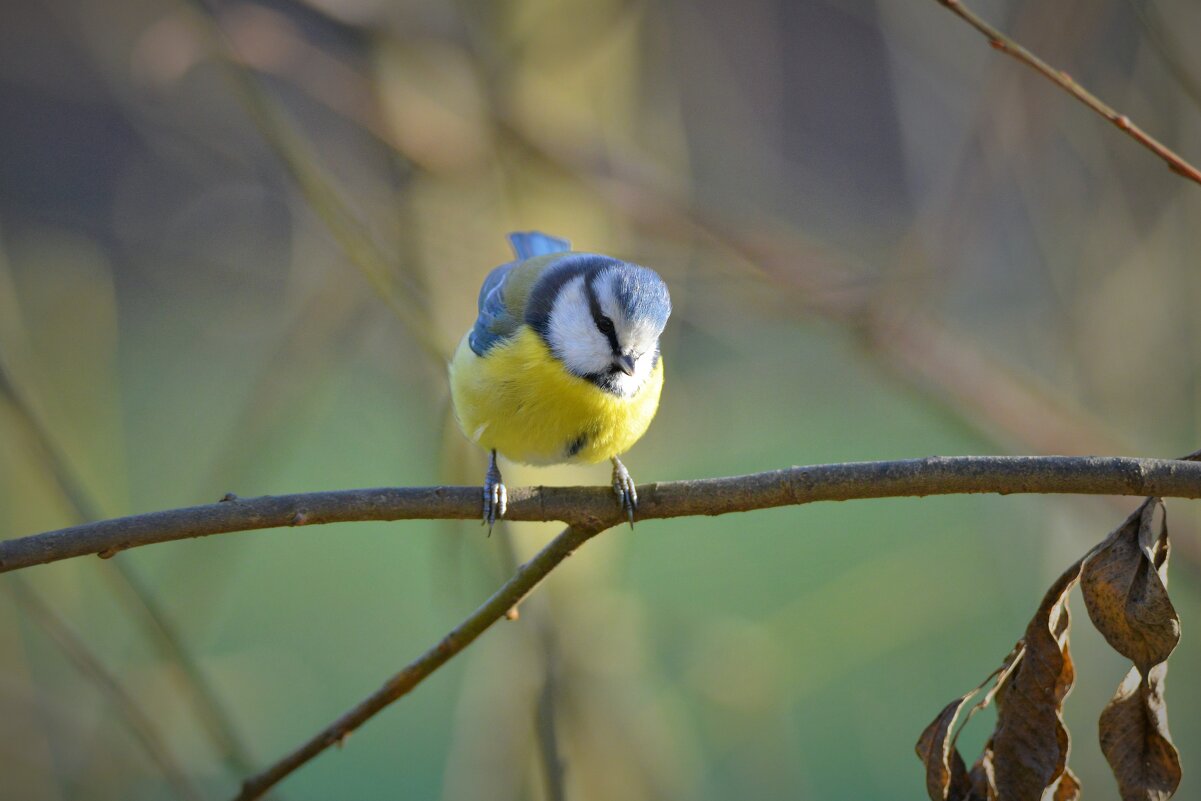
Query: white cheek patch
x=573 y=334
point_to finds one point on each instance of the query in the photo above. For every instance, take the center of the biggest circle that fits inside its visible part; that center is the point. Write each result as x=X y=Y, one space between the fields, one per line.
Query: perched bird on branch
x=562 y=364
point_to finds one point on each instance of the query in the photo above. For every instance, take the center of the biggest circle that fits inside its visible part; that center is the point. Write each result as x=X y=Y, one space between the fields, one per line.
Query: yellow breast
x=521 y=401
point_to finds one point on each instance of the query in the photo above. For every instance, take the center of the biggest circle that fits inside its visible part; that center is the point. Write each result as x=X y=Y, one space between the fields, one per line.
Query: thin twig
x=1006 y=45
x=510 y=593
x=595 y=507
x=132 y=715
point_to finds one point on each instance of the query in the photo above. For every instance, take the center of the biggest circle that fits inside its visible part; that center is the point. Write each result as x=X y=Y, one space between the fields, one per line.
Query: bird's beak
x=624 y=363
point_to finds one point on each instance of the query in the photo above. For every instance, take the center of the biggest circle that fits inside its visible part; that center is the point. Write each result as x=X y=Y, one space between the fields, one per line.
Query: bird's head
x=602 y=319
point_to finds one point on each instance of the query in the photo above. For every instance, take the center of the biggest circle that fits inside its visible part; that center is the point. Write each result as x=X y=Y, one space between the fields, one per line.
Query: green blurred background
x=237 y=241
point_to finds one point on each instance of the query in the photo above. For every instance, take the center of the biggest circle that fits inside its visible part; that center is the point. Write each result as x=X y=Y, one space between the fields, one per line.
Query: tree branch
x=1010 y=47
x=595 y=507
x=589 y=510
x=504 y=599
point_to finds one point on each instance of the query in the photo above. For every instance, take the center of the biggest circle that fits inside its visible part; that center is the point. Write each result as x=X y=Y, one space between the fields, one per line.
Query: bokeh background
x=238 y=239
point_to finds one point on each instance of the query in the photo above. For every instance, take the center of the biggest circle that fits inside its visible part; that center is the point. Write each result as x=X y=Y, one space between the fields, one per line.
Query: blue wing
x=528 y=244
x=502 y=299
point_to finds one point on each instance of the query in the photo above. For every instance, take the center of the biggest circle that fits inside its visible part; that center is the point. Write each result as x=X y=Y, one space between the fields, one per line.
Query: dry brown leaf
x=1027 y=753
x=1124 y=581
x=982 y=778
x=1068 y=787
x=946 y=774
x=1001 y=675
x=1135 y=738
x=1030 y=743
x=1125 y=588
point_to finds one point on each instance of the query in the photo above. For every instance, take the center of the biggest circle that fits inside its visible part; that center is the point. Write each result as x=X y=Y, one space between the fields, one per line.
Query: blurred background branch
x=138 y=601
x=881 y=242
x=410 y=304
x=128 y=708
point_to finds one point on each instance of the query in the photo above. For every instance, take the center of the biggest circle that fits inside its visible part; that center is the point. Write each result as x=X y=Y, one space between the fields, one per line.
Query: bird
x=562 y=364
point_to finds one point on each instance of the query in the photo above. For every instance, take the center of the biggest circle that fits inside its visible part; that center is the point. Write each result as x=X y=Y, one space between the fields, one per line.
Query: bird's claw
x=496 y=497
x=623 y=487
x=495 y=502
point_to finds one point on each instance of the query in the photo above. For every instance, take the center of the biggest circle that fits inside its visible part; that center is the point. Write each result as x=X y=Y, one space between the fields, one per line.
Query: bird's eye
x=605 y=325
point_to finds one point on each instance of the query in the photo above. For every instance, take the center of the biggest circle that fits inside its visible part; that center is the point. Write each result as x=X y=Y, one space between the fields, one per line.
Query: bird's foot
x=496 y=497
x=623 y=487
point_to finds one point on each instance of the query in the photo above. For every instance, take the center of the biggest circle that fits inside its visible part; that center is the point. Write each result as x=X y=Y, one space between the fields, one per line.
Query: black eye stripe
x=603 y=323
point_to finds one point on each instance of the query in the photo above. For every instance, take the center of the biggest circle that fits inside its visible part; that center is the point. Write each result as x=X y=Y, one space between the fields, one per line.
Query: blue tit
x=562 y=364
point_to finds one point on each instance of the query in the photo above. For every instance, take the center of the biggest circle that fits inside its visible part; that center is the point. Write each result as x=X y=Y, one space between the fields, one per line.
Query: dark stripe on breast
x=576 y=445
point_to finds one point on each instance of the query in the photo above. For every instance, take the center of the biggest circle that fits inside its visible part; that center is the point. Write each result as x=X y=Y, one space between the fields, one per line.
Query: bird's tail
x=528 y=244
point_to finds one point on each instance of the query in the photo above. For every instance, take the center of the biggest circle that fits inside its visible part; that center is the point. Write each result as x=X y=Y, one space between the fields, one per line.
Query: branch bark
x=595 y=507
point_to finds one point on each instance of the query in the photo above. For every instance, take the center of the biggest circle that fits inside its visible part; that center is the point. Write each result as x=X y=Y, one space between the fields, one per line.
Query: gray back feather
x=501 y=311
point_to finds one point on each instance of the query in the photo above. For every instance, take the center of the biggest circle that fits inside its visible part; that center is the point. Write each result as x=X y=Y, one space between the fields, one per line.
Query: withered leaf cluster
x=1124 y=584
